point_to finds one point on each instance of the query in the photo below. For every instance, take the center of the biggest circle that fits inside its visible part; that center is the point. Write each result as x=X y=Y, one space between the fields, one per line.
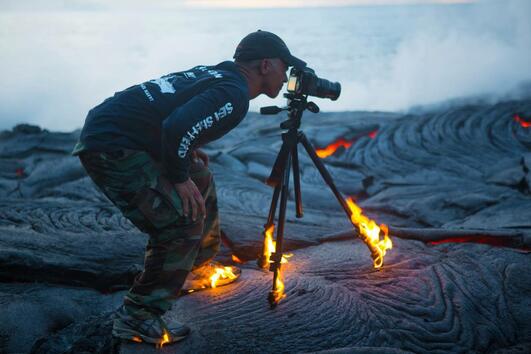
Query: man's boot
x=154 y=330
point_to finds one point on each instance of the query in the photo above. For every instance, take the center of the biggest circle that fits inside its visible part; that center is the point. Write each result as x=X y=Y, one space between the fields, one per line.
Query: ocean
x=57 y=64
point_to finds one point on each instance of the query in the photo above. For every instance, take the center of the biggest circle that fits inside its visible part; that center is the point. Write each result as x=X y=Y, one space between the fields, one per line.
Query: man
x=140 y=149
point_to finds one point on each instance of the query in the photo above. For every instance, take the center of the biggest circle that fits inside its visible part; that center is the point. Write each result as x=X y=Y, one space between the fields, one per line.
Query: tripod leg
x=324 y=172
x=275 y=177
x=263 y=260
x=274 y=180
x=297 y=182
x=276 y=293
x=273 y=207
x=377 y=250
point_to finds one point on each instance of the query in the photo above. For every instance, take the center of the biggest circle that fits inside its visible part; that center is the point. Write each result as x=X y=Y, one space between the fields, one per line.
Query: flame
x=136 y=339
x=330 y=149
x=270 y=247
x=522 y=122
x=235 y=259
x=165 y=339
x=370 y=233
x=278 y=294
x=372 y=134
x=221 y=273
x=285 y=258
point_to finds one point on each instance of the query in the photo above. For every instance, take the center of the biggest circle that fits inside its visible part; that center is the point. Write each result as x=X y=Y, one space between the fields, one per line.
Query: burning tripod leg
x=277 y=293
x=272 y=250
x=269 y=245
x=368 y=231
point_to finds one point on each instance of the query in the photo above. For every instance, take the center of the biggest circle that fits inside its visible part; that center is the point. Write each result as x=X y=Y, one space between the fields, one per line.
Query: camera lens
x=325 y=89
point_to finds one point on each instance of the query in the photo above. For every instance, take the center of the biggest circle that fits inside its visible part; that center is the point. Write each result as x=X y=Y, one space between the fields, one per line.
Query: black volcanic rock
x=463 y=169
x=445 y=298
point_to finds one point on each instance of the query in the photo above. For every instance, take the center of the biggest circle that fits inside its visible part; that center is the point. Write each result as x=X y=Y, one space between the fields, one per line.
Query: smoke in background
x=484 y=52
x=58 y=63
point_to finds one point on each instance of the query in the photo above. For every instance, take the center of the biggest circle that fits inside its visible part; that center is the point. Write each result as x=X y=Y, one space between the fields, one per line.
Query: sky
x=58 y=58
x=141 y=4
x=310 y=3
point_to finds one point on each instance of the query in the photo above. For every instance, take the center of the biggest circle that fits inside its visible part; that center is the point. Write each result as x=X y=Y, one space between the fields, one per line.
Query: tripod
x=286 y=160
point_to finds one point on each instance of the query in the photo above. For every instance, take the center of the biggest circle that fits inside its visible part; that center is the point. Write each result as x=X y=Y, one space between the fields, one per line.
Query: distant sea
x=56 y=65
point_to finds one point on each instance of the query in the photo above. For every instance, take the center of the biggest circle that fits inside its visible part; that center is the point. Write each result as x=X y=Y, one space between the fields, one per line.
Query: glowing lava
x=370 y=233
x=522 y=122
x=330 y=149
x=235 y=259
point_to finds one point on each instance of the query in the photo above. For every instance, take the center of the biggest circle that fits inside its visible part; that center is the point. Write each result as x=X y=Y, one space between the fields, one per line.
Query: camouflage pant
x=136 y=184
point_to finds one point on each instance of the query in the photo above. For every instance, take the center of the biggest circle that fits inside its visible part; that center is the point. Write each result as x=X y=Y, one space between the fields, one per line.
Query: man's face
x=274 y=71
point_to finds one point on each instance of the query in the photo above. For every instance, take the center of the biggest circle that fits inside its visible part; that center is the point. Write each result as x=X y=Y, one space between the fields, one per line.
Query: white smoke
x=56 y=65
x=487 y=52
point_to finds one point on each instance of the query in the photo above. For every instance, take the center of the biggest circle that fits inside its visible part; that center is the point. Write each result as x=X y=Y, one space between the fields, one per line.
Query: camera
x=305 y=82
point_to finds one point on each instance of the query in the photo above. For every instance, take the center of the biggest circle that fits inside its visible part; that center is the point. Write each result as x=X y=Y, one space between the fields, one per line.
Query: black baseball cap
x=263 y=44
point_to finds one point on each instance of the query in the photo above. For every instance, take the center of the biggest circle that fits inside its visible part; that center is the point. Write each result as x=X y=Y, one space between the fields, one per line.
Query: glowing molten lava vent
x=235 y=259
x=370 y=233
x=521 y=121
x=268 y=249
x=332 y=148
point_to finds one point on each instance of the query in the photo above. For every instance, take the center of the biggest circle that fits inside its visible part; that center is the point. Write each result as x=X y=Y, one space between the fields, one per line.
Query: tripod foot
x=272 y=298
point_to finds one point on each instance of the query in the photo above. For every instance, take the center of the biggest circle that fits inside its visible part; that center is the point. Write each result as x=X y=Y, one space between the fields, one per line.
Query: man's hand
x=200 y=154
x=191 y=197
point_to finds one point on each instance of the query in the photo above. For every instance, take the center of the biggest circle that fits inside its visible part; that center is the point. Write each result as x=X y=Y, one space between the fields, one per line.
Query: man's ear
x=265 y=66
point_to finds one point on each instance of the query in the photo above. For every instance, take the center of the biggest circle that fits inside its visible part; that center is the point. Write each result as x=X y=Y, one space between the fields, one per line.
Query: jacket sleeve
x=205 y=117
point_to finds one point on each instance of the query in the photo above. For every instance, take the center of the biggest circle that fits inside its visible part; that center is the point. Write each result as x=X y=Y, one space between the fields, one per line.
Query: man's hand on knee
x=191 y=198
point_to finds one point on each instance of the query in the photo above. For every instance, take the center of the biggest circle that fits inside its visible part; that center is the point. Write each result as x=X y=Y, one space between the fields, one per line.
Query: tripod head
x=303 y=82
x=297 y=104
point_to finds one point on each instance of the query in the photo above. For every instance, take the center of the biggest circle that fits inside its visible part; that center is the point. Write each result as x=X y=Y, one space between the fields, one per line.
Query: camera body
x=306 y=82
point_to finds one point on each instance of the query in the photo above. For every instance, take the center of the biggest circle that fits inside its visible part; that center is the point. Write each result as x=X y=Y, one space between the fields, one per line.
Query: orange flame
x=330 y=149
x=370 y=233
x=165 y=339
x=136 y=339
x=522 y=122
x=278 y=294
x=270 y=247
x=221 y=273
x=235 y=259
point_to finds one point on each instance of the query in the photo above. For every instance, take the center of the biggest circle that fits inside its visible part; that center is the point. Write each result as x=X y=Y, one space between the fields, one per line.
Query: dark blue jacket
x=170 y=116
